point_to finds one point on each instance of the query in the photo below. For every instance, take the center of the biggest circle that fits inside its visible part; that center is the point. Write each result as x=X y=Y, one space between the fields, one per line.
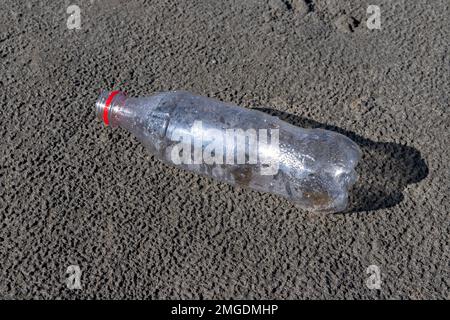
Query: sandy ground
x=73 y=192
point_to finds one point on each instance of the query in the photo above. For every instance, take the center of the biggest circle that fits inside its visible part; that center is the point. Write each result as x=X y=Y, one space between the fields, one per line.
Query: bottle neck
x=143 y=117
x=107 y=105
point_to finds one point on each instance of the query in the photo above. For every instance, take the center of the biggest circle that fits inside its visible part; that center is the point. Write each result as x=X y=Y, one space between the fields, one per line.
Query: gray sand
x=76 y=193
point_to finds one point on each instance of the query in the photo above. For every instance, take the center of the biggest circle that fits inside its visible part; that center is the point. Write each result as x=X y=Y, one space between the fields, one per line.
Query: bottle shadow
x=384 y=170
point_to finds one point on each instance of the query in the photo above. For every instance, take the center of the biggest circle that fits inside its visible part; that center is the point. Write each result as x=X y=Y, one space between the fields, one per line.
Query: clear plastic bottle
x=311 y=167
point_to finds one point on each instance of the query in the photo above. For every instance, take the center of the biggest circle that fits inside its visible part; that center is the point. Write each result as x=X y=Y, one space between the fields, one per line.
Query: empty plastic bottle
x=311 y=167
